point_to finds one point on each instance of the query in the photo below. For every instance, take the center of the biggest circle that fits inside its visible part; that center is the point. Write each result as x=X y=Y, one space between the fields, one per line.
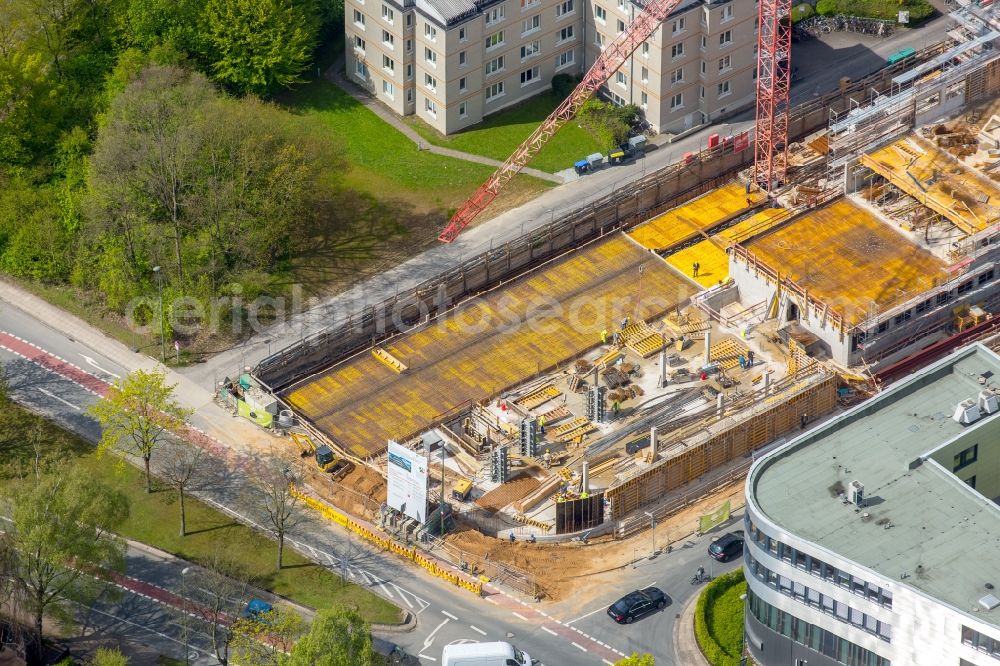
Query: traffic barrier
x=387 y=543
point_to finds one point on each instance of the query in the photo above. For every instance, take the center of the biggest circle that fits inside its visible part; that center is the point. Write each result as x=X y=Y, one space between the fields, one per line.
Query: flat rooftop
x=938 y=180
x=939 y=524
x=487 y=345
x=848 y=258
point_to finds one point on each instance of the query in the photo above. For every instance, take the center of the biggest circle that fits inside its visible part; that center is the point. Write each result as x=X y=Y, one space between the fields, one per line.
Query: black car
x=727 y=547
x=637 y=604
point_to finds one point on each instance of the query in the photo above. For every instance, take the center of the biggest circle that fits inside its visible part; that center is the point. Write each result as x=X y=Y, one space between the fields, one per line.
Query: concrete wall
x=986 y=469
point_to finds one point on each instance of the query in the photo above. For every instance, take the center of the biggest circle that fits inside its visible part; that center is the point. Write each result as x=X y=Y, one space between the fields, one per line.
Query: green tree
x=265 y=639
x=108 y=657
x=61 y=523
x=136 y=414
x=258 y=46
x=636 y=659
x=336 y=637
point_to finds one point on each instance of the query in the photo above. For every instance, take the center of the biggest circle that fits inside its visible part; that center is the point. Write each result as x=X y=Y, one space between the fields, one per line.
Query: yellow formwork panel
x=939 y=181
x=475 y=353
x=848 y=259
x=713 y=263
x=685 y=221
x=753 y=226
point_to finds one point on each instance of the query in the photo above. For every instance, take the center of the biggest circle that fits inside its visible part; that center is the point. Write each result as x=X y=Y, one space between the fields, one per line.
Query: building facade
x=453 y=62
x=872 y=540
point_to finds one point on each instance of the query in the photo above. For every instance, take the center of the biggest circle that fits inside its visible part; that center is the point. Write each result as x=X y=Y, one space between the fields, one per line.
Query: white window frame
x=644 y=74
x=725 y=38
x=495 y=90
x=388 y=89
x=566 y=34
x=565 y=8
x=361 y=70
x=725 y=63
x=677 y=76
x=621 y=79
x=430 y=57
x=599 y=40
x=533 y=76
x=409 y=71
x=529 y=4
x=531 y=25
x=359 y=19
x=677 y=101
x=463 y=84
x=495 y=40
x=388 y=64
x=645 y=49
x=726 y=14
x=495 y=15
x=565 y=59
x=463 y=59
x=677 y=50
x=643 y=99
x=495 y=65
x=389 y=39
x=409 y=45
x=530 y=50
x=621 y=26
x=724 y=89
x=388 y=15
x=463 y=110
x=430 y=106
x=359 y=44
x=678 y=26
x=430 y=32
x=430 y=82
x=462 y=34
x=600 y=14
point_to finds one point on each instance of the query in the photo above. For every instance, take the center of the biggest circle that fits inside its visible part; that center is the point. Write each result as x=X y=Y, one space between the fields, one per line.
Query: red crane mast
x=774 y=72
x=613 y=57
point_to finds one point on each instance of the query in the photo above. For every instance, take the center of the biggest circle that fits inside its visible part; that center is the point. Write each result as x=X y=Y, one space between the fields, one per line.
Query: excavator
x=326 y=459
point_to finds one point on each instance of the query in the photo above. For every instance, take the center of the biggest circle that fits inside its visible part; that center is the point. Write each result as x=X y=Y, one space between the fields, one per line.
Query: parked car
x=727 y=547
x=637 y=604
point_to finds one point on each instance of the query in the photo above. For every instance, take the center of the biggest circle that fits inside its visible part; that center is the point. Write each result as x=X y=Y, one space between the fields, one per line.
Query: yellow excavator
x=326 y=459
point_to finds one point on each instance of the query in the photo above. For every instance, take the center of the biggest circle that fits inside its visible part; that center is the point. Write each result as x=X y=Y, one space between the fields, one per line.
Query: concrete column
x=663 y=368
x=767 y=381
x=652 y=441
x=585 y=478
x=718 y=405
x=708 y=347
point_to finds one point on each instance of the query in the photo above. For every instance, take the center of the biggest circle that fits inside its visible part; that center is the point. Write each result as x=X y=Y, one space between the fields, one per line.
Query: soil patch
x=518 y=487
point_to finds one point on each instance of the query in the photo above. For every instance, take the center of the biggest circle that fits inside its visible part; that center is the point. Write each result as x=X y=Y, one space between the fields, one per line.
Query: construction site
x=609 y=372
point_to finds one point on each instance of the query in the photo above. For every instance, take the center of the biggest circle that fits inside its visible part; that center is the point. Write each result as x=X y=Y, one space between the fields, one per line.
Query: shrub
x=802 y=12
x=719 y=606
x=611 y=125
x=886 y=10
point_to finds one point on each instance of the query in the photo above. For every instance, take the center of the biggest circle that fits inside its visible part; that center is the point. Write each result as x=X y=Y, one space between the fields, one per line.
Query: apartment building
x=453 y=62
x=872 y=540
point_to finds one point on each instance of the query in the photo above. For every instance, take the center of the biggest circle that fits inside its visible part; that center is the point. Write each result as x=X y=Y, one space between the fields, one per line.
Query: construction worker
x=615 y=407
x=512 y=537
x=743 y=362
x=694 y=268
x=624 y=323
x=584 y=495
x=604 y=337
x=541 y=425
x=547 y=459
x=750 y=359
x=614 y=339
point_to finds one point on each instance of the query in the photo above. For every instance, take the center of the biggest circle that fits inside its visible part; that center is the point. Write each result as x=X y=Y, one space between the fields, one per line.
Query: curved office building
x=874 y=540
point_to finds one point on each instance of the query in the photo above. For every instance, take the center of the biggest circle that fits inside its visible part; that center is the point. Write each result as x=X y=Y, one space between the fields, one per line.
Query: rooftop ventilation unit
x=989 y=602
x=966 y=412
x=987 y=402
x=856 y=493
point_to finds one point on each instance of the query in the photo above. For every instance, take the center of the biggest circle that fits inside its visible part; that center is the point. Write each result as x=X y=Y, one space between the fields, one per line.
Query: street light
x=163 y=342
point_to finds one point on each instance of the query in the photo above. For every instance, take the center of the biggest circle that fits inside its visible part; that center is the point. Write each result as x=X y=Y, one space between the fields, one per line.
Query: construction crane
x=774 y=74
x=613 y=57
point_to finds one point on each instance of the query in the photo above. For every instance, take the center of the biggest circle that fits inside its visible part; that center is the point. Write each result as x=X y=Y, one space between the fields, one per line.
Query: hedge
x=711 y=605
x=885 y=10
x=802 y=12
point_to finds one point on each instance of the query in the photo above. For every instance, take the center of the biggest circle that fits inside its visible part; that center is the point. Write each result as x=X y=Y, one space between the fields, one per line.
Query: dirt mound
x=518 y=487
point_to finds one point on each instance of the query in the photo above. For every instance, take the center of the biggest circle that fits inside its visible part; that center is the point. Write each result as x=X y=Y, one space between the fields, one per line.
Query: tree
x=223 y=588
x=636 y=660
x=182 y=467
x=265 y=639
x=257 y=46
x=108 y=657
x=336 y=637
x=61 y=524
x=135 y=415
x=276 y=502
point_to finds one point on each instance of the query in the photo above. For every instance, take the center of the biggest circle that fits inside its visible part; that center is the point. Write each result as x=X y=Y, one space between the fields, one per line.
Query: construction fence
x=709 y=450
x=386 y=543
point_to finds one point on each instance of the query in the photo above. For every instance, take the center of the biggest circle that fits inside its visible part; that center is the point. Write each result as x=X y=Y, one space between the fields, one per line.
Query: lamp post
x=652 y=527
x=163 y=342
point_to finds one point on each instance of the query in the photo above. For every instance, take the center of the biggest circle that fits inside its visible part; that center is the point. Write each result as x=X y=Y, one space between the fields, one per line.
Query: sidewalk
x=372 y=104
x=686 y=650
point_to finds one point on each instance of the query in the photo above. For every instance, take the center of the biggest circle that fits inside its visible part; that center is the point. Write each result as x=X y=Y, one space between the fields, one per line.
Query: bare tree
x=276 y=501
x=183 y=466
x=222 y=588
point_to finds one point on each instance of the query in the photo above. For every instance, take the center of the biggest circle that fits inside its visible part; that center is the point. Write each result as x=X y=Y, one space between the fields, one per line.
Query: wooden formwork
x=783 y=414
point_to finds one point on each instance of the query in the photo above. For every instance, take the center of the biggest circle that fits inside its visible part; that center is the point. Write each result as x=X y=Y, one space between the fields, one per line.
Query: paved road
x=554 y=633
x=821 y=65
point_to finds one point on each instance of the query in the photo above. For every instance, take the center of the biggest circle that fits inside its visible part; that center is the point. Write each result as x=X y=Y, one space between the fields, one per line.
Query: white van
x=484 y=654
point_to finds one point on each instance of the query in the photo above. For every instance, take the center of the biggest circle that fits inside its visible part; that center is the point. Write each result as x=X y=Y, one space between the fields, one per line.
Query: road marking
x=579 y=647
x=94 y=363
x=547 y=630
x=587 y=615
x=430 y=637
x=477 y=629
x=447 y=614
x=424 y=656
x=520 y=616
x=607 y=662
x=55 y=397
x=492 y=602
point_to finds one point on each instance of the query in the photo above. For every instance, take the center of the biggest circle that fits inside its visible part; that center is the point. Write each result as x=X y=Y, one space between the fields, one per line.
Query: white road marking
x=607 y=662
x=518 y=615
x=94 y=363
x=547 y=630
x=430 y=637
x=579 y=647
x=55 y=397
x=447 y=614
x=587 y=615
x=424 y=656
x=477 y=629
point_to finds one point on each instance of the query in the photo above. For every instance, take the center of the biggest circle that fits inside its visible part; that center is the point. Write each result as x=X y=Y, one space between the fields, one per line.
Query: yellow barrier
x=388 y=544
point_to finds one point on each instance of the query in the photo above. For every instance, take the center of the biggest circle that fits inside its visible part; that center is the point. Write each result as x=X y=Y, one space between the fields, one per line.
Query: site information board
x=407 y=482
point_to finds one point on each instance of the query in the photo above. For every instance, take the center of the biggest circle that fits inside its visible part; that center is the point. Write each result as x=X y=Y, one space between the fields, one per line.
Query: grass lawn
x=385 y=163
x=155 y=520
x=498 y=135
